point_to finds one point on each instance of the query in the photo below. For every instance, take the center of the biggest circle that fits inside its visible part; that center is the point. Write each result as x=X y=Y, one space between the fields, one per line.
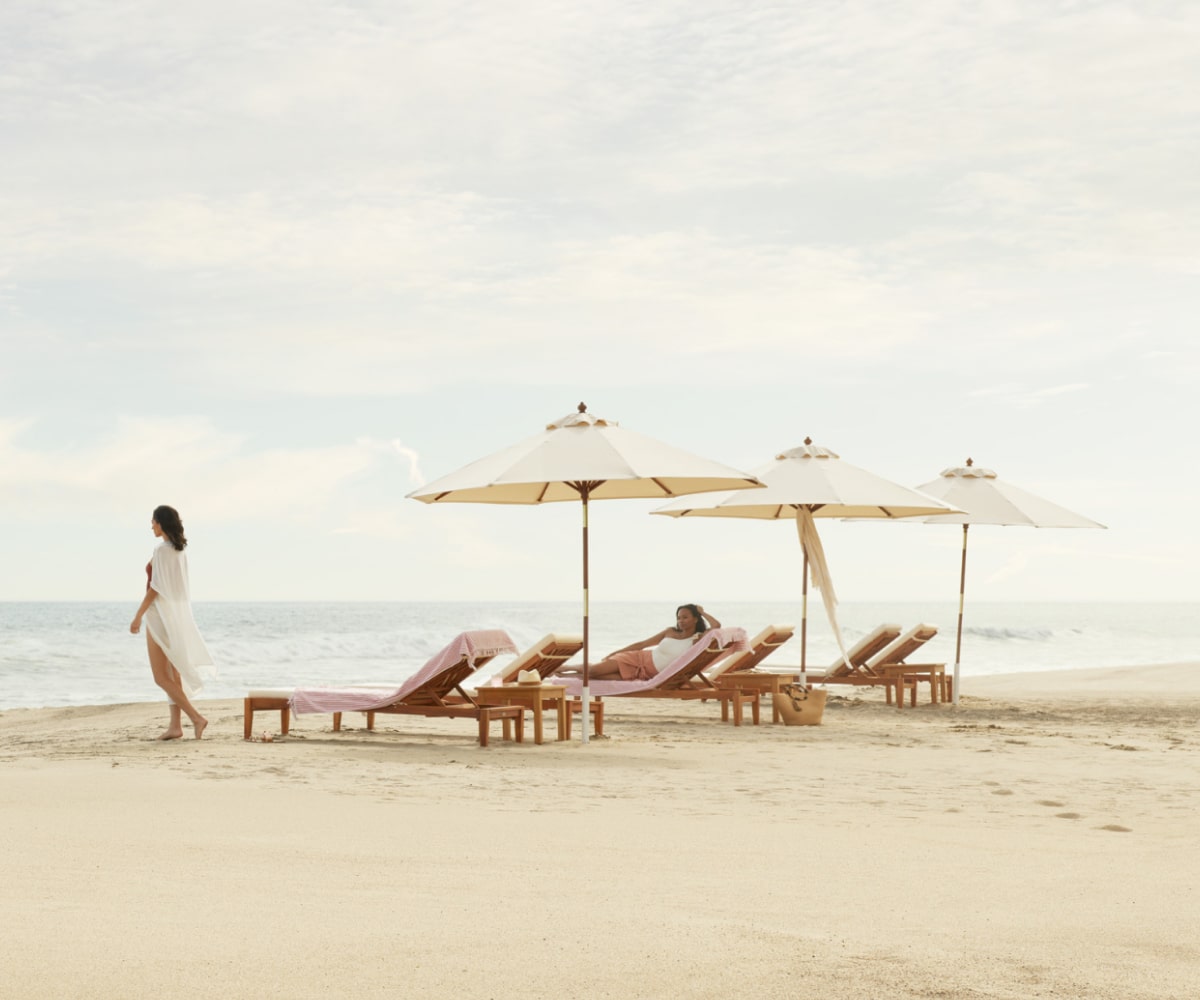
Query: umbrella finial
x=808 y=440
x=970 y=462
x=582 y=407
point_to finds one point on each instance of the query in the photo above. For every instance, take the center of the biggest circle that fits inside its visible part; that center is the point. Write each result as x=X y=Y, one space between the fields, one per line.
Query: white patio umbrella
x=583 y=457
x=985 y=499
x=805 y=483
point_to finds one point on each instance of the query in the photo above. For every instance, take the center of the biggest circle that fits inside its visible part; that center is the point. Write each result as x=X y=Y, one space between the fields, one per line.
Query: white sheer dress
x=169 y=619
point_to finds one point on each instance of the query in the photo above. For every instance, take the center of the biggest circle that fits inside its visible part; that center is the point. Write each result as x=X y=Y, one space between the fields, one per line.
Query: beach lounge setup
x=740 y=670
x=684 y=678
x=582 y=457
x=806 y=483
x=983 y=498
x=434 y=690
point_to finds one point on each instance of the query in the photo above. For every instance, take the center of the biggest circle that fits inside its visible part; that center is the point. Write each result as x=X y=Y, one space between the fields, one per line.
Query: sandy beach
x=1037 y=841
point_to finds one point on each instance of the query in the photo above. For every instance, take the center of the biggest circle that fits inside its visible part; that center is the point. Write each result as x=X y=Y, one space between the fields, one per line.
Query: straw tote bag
x=800 y=706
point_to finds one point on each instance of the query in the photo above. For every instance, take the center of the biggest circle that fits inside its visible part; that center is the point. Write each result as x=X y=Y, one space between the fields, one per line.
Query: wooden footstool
x=267 y=701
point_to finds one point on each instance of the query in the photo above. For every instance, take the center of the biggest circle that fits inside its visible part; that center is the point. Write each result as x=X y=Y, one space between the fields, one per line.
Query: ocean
x=81 y=653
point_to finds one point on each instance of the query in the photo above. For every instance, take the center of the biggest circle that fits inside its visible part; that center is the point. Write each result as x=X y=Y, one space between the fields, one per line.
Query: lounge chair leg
x=598 y=715
x=337 y=722
x=725 y=709
x=755 y=707
x=370 y=722
x=485 y=718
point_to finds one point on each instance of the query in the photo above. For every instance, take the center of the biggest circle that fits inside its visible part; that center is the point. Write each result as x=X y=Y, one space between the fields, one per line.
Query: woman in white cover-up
x=640 y=661
x=177 y=651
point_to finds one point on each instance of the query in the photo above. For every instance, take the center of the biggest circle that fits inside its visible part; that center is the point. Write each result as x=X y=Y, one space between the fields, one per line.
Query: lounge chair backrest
x=547 y=656
x=903 y=647
x=761 y=646
x=862 y=651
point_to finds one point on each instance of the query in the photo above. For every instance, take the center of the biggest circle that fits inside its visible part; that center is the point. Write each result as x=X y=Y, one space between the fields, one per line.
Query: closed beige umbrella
x=805 y=483
x=583 y=458
x=985 y=499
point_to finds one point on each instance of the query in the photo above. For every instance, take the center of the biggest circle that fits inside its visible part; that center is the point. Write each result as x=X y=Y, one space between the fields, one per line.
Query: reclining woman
x=639 y=662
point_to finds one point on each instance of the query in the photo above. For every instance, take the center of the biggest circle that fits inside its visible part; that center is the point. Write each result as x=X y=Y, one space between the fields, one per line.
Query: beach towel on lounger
x=479 y=645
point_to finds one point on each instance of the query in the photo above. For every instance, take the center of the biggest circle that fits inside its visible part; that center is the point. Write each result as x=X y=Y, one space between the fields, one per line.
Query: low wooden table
x=267 y=701
x=531 y=696
x=762 y=681
x=906 y=676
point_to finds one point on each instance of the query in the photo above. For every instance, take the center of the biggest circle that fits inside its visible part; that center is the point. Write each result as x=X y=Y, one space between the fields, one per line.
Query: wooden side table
x=532 y=696
x=761 y=681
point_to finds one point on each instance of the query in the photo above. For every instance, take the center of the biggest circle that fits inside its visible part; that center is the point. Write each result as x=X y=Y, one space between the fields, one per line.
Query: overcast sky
x=279 y=263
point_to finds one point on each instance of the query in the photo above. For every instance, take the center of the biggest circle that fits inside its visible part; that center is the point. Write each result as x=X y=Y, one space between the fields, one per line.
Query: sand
x=1038 y=841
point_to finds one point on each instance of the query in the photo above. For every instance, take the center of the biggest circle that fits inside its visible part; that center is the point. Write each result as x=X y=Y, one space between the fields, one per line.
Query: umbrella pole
x=804 y=623
x=962 y=589
x=583 y=493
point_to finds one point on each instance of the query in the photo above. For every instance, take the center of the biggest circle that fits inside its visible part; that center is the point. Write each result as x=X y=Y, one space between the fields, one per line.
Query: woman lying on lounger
x=638 y=662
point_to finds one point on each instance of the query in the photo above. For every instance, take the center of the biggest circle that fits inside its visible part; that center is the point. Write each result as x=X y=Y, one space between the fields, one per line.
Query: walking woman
x=177 y=652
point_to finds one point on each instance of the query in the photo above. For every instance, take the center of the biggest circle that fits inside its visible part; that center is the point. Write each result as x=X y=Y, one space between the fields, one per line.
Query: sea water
x=81 y=653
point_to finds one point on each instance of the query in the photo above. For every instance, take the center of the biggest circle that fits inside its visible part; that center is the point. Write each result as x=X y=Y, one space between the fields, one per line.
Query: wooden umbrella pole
x=804 y=623
x=962 y=590
x=583 y=493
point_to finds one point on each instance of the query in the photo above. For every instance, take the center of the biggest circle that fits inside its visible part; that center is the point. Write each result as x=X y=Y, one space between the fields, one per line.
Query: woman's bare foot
x=201 y=725
x=171 y=734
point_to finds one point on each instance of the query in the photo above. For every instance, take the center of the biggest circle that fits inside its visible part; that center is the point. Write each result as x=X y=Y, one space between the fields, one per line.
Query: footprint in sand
x=1067 y=816
x=1115 y=828
x=1048 y=802
x=1002 y=791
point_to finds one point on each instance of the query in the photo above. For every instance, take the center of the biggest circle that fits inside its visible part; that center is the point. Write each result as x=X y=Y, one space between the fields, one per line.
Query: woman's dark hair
x=172 y=526
x=701 y=624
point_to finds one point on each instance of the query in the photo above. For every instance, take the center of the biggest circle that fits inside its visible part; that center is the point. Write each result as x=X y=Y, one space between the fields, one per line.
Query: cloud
x=185 y=461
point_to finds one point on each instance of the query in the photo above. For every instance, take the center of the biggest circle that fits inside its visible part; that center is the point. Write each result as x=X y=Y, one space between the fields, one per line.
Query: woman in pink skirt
x=642 y=660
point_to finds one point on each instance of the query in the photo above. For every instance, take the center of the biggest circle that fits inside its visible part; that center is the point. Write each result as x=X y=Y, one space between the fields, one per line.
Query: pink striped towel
x=474 y=645
x=729 y=640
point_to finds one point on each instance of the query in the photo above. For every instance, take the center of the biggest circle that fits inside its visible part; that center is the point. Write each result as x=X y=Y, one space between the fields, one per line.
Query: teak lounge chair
x=683 y=678
x=547 y=656
x=859 y=655
x=892 y=666
x=434 y=690
x=740 y=670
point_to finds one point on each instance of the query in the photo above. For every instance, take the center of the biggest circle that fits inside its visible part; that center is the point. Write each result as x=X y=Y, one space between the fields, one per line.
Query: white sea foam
x=82 y=653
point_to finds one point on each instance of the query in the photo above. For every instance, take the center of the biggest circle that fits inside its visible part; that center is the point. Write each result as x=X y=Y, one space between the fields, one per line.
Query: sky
x=280 y=264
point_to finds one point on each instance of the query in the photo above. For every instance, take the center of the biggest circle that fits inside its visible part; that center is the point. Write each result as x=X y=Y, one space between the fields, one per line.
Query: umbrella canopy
x=804 y=483
x=582 y=458
x=985 y=499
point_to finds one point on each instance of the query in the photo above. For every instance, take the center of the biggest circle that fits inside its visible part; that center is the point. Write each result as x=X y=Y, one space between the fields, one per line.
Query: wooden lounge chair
x=740 y=670
x=547 y=656
x=683 y=678
x=859 y=655
x=434 y=690
x=892 y=664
